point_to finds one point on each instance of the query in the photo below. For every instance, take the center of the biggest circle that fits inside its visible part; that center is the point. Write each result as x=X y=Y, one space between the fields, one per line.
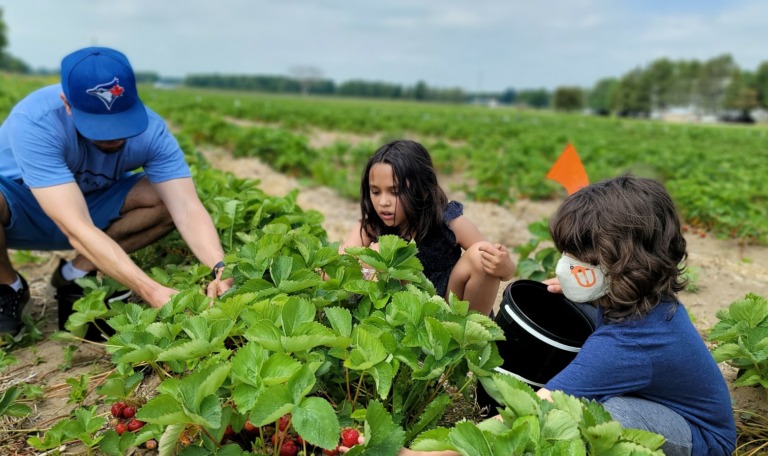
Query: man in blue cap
x=68 y=154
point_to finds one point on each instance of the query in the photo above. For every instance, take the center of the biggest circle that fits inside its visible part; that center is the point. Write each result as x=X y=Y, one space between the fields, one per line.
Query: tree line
x=705 y=87
x=322 y=86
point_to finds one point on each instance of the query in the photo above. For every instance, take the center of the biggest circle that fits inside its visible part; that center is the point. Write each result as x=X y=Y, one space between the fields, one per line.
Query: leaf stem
x=205 y=431
x=357 y=391
x=349 y=392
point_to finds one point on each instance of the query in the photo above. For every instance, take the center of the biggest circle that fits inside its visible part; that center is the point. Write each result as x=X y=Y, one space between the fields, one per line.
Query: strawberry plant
x=741 y=339
x=530 y=425
x=542 y=265
x=8 y=406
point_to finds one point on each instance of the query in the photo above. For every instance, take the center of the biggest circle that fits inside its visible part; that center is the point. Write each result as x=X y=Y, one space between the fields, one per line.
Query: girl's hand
x=496 y=260
x=553 y=285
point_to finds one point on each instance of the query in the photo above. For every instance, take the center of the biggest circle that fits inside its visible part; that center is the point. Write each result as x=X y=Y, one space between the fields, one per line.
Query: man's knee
x=142 y=195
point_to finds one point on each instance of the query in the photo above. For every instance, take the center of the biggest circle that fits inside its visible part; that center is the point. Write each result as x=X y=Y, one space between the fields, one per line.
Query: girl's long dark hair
x=629 y=226
x=422 y=198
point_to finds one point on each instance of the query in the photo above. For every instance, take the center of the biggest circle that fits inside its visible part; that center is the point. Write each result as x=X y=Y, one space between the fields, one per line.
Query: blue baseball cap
x=101 y=90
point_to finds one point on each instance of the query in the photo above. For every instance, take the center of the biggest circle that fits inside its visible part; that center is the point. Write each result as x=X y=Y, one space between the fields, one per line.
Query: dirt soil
x=726 y=272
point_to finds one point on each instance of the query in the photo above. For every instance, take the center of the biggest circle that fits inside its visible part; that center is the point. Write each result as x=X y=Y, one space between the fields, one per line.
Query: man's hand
x=160 y=296
x=218 y=286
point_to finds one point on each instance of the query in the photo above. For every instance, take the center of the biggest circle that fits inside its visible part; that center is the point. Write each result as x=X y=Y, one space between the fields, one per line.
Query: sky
x=477 y=45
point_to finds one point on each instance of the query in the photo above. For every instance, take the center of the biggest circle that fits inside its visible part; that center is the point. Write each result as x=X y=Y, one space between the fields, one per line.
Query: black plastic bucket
x=544 y=332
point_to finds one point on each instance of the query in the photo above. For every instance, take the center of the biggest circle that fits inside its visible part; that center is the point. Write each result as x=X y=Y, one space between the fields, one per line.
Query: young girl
x=646 y=363
x=400 y=195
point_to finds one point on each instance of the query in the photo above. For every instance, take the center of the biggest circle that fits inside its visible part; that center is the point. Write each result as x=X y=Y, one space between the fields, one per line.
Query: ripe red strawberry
x=349 y=437
x=285 y=420
x=120 y=428
x=229 y=432
x=248 y=426
x=117 y=409
x=150 y=444
x=289 y=448
x=135 y=425
x=129 y=412
x=331 y=452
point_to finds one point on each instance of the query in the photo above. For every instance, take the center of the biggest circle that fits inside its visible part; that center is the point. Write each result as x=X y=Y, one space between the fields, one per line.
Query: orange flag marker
x=568 y=171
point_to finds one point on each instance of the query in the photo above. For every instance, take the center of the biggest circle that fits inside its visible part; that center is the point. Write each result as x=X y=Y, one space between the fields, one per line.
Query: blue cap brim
x=108 y=127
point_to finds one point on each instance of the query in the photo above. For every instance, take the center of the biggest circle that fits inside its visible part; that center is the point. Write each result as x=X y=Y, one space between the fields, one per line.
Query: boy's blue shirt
x=661 y=358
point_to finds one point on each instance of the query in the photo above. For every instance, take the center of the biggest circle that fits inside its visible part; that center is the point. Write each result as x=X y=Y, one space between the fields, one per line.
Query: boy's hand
x=553 y=285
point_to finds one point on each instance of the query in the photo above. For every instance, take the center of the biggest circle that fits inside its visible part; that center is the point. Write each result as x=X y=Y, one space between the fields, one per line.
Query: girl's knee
x=474 y=255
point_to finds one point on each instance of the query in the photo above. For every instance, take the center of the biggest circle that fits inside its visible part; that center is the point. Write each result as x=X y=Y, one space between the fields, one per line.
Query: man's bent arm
x=66 y=206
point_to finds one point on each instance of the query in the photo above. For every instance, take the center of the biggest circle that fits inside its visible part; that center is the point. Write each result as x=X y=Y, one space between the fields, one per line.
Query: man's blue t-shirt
x=40 y=145
x=663 y=359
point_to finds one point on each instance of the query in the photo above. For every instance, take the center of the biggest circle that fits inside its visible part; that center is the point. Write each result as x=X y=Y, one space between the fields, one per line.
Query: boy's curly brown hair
x=630 y=227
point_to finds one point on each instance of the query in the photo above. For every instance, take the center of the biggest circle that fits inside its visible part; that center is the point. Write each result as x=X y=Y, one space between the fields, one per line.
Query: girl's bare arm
x=355 y=238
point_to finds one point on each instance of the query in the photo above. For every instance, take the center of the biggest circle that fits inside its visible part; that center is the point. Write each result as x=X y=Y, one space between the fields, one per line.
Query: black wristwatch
x=216 y=267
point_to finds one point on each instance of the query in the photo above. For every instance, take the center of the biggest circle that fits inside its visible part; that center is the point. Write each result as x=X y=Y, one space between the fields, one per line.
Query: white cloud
x=488 y=44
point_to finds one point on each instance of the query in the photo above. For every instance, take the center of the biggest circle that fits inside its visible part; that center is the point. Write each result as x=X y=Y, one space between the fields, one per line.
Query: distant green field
x=716 y=174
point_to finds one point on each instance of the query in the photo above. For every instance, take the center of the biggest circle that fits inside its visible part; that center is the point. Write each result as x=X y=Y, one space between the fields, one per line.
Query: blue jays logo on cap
x=107 y=92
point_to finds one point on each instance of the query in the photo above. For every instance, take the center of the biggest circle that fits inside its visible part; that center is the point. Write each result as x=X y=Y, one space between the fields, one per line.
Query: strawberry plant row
x=714 y=173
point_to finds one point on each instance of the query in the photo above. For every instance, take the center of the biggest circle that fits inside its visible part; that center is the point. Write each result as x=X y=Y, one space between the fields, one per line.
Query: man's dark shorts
x=31 y=229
